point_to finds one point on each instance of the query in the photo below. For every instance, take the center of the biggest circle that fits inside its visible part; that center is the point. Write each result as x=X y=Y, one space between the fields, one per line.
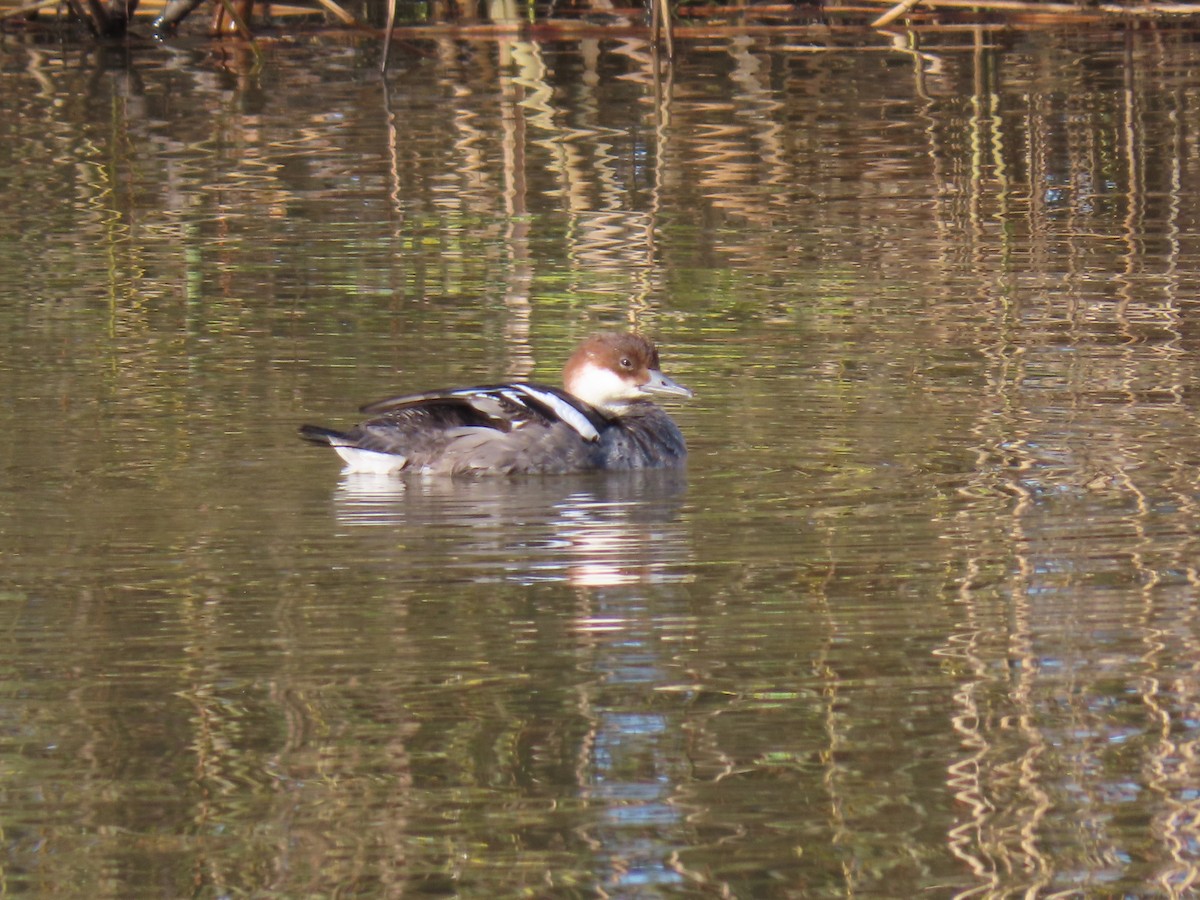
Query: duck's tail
x=319 y=435
x=357 y=458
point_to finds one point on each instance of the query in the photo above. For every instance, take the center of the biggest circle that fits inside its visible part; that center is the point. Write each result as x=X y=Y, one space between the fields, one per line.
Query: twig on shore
x=1049 y=8
x=894 y=13
x=387 y=36
x=27 y=8
x=339 y=13
x=661 y=26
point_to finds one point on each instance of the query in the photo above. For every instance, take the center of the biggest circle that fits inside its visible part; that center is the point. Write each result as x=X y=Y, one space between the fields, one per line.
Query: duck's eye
x=626 y=362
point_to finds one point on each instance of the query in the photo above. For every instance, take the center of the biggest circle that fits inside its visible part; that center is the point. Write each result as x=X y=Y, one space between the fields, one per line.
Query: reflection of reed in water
x=734 y=145
x=1173 y=765
x=1076 y=653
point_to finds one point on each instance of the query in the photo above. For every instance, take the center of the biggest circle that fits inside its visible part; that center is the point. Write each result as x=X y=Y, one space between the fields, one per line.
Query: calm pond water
x=919 y=620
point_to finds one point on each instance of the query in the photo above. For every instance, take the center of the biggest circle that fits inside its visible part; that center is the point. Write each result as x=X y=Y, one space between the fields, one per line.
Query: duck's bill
x=664 y=386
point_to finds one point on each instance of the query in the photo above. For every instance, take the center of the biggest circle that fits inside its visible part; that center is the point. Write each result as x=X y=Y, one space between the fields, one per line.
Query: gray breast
x=645 y=438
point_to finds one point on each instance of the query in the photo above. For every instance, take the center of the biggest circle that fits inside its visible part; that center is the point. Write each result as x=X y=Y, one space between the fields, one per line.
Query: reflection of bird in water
x=592 y=530
x=603 y=421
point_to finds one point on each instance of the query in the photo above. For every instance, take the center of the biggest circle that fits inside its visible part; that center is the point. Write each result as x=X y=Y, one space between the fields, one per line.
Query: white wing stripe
x=564 y=410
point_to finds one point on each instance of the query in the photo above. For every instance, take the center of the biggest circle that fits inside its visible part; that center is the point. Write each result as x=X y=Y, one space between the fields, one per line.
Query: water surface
x=918 y=620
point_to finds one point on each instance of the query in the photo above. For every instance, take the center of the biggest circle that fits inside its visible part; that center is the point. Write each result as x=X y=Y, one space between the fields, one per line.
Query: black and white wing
x=503 y=407
x=501 y=428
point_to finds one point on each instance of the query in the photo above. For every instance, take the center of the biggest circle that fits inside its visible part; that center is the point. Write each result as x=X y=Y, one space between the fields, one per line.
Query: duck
x=604 y=418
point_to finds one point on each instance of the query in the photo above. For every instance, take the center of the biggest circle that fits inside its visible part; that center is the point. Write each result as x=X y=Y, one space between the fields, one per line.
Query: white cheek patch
x=602 y=387
x=564 y=410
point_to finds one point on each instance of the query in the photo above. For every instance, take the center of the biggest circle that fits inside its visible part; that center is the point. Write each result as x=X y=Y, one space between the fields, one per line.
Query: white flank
x=565 y=411
x=369 y=461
